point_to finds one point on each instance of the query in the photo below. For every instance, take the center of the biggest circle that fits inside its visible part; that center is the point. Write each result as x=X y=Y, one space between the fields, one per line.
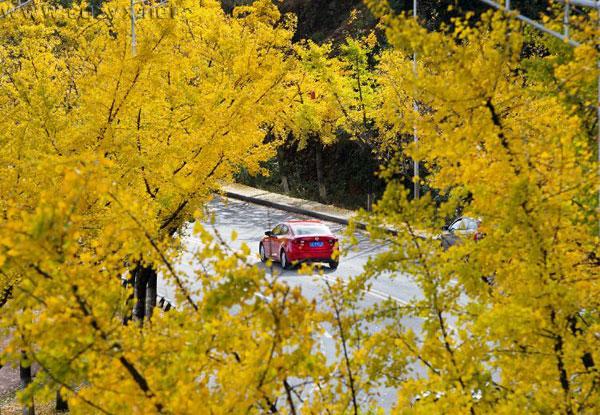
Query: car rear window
x=311 y=230
x=472 y=224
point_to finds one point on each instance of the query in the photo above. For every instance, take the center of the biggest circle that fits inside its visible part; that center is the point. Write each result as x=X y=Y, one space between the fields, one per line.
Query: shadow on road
x=275 y=269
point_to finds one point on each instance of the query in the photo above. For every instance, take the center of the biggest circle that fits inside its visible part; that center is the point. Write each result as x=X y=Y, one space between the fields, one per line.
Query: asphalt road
x=250 y=221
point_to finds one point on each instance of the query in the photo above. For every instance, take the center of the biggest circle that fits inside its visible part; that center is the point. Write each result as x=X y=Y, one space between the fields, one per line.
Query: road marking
x=375 y=293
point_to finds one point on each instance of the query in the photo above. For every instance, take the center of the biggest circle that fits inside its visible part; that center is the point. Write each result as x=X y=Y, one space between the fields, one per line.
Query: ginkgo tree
x=174 y=120
x=236 y=342
x=509 y=321
x=105 y=156
x=332 y=95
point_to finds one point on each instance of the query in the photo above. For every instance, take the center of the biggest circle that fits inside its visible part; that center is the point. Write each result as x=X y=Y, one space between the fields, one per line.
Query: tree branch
x=6 y=295
x=338 y=320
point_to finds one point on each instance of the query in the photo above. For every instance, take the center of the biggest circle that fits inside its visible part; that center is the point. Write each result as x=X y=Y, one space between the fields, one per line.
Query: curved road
x=250 y=221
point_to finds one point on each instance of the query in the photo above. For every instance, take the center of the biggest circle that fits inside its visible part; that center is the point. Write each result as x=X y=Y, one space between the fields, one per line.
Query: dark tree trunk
x=128 y=316
x=370 y=194
x=283 y=171
x=26 y=379
x=150 y=291
x=139 y=290
x=61 y=403
x=319 y=166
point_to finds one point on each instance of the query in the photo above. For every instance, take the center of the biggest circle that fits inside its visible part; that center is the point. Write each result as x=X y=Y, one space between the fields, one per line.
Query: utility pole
x=133 y=17
x=416 y=178
x=133 y=37
x=566 y=17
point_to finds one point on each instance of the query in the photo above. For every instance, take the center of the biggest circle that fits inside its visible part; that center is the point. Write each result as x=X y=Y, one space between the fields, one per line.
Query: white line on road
x=371 y=291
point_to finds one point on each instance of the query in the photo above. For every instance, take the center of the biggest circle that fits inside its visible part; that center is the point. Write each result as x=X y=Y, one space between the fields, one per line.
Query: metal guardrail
x=531 y=22
x=582 y=3
x=16 y=8
x=147 y=3
x=164 y=304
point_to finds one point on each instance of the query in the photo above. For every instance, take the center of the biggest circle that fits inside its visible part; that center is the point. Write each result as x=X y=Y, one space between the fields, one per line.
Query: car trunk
x=311 y=242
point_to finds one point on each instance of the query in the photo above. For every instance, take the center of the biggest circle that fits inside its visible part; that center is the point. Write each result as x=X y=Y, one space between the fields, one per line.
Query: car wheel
x=284 y=260
x=445 y=244
x=333 y=265
x=261 y=252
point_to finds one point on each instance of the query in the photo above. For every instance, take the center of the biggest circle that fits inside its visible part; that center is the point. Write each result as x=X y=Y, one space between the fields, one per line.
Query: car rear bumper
x=311 y=260
x=313 y=256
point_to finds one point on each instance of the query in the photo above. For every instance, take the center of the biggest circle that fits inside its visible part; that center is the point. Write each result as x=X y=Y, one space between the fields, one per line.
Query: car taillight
x=298 y=242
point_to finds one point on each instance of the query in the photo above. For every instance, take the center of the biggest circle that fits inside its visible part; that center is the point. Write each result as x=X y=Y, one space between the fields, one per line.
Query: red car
x=297 y=241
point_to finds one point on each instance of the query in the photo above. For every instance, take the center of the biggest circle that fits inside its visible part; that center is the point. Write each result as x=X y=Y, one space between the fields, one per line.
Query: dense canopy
x=109 y=152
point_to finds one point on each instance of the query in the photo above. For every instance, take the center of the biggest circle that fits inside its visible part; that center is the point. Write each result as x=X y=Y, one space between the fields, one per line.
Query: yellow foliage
x=509 y=323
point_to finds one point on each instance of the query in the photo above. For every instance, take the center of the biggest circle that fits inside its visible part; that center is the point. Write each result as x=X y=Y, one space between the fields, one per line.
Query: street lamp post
x=416 y=179
x=133 y=36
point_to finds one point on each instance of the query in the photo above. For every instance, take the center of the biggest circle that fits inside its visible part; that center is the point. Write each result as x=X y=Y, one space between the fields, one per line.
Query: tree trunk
x=151 y=292
x=319 y=166
x=139 y=290
x=61 y=403
x=370 y=194
x=283 y=172
x=128 y=314
x=26 y=379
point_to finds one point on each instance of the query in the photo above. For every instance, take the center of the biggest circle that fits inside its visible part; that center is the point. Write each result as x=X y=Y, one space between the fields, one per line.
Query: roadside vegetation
x=108 y=150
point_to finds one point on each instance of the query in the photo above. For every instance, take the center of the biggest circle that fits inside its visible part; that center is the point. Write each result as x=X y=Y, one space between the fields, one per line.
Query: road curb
x=265 y=198
x=285 y=207
x=257 y=200
x=290 y=208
